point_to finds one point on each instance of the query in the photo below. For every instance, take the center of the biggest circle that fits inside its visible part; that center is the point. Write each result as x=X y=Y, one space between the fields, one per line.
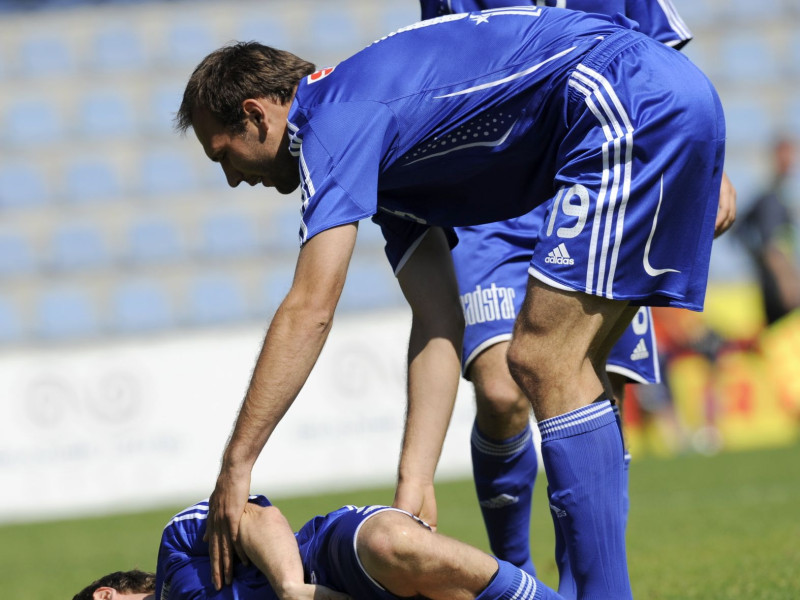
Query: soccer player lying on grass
x=373 y=552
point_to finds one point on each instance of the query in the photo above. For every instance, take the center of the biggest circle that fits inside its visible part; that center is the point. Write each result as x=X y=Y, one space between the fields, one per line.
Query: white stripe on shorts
x=617 y=151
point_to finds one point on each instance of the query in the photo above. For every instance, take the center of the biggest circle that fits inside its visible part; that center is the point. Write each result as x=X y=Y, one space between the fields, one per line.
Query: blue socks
x=512 y=583
x=583 y=456
x=504 y=473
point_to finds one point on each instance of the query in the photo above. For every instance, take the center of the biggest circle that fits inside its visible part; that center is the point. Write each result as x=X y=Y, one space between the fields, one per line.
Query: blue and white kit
x=620 y=135
x=327 y=547
x=491 y=259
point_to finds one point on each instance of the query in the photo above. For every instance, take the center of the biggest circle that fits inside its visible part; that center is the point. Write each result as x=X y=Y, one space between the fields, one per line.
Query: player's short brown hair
x=232 y=74
x=126 y=582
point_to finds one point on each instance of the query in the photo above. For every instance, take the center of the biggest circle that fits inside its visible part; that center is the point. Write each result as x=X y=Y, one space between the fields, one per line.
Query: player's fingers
x=215 y=557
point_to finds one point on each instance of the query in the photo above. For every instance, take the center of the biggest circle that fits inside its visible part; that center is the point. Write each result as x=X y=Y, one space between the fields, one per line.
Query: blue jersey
x=326 y=544
x=657 y=19
x=581 y=112
x=373 y=135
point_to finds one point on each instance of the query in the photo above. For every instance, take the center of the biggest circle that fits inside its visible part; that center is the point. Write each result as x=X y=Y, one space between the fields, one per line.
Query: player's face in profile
x=253 y=156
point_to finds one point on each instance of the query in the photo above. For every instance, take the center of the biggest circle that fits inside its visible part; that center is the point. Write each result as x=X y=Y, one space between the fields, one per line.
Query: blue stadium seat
x=216 y=299
x=394 y=16
x=141 y=306
x=105 y=114
x=31 y=122
x=697 y=13
x=229 y=234
x=283 y=228
x=188 y=42
x=91 y=180
x=11 y=326
x=154 y=240
x=16 y=254
x=45 y=54
x=370 y=285
x=270 y=31
x=749 y=58
x=747 y=122
x=275 y=284
x=743 y=12
x=118 y=47
x=334 y=30
x=78 y=246
x=164 y=101
x=22 y=184
x=167 y=172
x=65 y=313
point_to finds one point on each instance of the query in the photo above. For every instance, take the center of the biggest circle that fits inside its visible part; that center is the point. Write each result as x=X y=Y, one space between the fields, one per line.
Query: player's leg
x=409 y=560
x=559 y=338
x=504 y=462
x=491 y=263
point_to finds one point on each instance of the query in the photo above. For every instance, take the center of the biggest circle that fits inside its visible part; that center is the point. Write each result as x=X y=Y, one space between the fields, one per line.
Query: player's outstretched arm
x=291 y=348
x=726 y=211
x=268 y=541
x=434 y=368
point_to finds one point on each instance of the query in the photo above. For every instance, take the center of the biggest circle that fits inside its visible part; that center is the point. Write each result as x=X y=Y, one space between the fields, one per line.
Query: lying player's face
x=256 y=155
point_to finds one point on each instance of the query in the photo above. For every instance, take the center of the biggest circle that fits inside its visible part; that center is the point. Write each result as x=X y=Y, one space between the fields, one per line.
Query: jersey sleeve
x=660 y=20
x=341 y=150
x=183 y=571
x=403 y=236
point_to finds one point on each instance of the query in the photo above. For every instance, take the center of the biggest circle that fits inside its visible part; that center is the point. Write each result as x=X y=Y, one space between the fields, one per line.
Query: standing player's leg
x=558 y=339
x=491 y=263
x=633 y=359
x=504 y=462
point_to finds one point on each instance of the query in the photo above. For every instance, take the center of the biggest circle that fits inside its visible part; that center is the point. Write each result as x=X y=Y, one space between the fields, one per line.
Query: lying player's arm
x=291 y=348
x=434 y=368
x=269 y=543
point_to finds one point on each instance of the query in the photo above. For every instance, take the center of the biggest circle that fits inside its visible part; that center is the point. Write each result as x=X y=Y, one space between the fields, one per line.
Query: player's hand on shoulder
x=225 y=508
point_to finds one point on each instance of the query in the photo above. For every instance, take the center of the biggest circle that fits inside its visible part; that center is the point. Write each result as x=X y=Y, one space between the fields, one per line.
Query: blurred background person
x=769 y=232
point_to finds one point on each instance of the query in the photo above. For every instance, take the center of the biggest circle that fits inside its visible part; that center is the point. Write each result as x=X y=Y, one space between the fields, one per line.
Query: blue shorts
x=328 y=547
x=635 y=199
x=491 y=263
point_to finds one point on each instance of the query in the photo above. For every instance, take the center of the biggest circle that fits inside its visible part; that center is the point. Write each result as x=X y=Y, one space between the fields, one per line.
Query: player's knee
x=527 y=365
x=500 y=398
x=387 y=542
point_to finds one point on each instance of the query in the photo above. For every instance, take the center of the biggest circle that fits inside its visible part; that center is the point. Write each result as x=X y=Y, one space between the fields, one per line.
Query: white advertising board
x=122 y=426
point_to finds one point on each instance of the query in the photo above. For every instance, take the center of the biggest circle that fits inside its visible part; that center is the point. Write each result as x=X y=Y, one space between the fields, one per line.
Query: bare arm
x=293 y=343
x=269 y=543
x=434 y=368
x=726 y=210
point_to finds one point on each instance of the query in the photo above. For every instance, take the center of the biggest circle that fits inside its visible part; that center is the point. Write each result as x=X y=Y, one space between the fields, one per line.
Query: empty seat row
x=99 y=114
x=146 y=305
x=86 y=245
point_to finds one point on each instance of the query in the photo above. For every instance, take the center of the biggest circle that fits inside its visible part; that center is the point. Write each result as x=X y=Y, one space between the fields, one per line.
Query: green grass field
x=725 y=527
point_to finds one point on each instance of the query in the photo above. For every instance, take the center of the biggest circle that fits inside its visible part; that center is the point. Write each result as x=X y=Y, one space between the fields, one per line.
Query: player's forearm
x=292 y=345
x=269 y=543
x=433 y=374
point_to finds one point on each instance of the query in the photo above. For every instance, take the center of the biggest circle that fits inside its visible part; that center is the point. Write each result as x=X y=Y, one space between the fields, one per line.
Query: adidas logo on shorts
x=559 y=256
x=640 y=352
x=499 y=501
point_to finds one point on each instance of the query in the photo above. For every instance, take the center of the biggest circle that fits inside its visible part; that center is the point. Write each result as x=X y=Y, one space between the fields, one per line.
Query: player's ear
x=256 y=112
x=104 y=593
